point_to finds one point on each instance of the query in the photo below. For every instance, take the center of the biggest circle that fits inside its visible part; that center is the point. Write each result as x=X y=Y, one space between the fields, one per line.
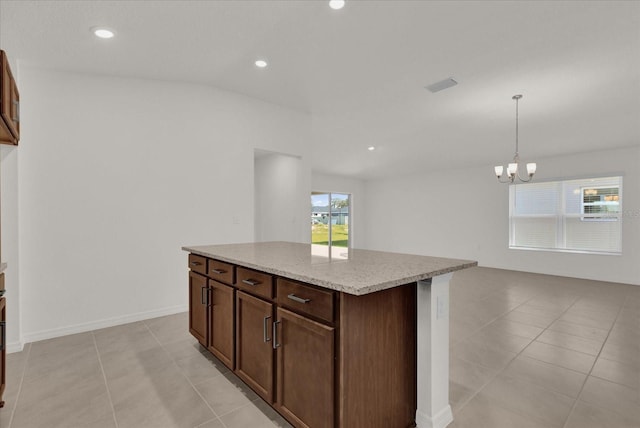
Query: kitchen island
x=329 y=337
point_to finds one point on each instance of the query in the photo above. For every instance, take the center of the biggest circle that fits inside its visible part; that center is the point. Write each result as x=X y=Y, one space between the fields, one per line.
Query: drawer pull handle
x=275 y=335
x=298 y=299
x=250 y=282
x=16 y=118
x=218 y=271
x=265 y=330
x=196 y=264
x=3 y=331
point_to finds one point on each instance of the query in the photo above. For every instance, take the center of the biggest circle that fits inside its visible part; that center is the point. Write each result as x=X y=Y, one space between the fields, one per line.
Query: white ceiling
x=361 y=71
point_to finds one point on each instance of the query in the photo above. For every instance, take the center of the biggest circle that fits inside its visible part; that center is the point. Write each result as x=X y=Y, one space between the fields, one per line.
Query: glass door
x=330 y=215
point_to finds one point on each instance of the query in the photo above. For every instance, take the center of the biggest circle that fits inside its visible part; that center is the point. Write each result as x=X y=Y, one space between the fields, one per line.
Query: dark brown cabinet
x=254 y=350
x=320 y=357
x=221 y=319
x=198 y=295
x=9 y=104
x=212 y=306
x=305 y=370
x=3 y=348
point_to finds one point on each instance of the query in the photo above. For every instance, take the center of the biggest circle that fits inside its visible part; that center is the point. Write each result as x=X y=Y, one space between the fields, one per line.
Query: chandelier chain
x=517 y=99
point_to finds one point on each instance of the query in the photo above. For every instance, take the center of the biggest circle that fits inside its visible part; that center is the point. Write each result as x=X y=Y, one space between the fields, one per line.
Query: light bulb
x=499 y=170
x=336 y=4
x=531 y=168
x=512 y=169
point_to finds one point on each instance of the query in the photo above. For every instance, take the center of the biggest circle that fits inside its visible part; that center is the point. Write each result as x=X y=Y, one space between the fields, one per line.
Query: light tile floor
x=527 y=350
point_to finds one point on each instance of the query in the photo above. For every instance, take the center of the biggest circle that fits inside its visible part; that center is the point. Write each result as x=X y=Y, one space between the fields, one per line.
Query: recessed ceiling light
x=103 y=33
x=336 y=4
x=261 y=63
x=371 y=148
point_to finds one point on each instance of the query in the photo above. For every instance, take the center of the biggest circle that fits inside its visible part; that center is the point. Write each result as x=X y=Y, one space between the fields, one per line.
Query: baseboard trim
x=440 y=420
x=96 y=325
x=15 y=347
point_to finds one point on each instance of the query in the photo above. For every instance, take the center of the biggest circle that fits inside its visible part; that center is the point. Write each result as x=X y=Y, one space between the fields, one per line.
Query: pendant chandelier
x=513 y=168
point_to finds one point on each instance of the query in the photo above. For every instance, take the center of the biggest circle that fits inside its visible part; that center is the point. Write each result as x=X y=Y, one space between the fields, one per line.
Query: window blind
x=570 y=215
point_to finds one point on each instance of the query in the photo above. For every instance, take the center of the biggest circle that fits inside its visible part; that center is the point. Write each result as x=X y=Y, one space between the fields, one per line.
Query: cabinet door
x=198 y=296
x=254 y=352
x=3 y=348
x=305 y=370
x=221 y=337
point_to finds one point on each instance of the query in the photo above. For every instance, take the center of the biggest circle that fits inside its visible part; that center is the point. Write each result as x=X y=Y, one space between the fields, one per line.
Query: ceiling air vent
x=443 y=84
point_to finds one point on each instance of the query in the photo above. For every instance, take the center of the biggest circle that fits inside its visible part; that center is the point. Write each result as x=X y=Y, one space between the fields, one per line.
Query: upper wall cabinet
x=9 y=104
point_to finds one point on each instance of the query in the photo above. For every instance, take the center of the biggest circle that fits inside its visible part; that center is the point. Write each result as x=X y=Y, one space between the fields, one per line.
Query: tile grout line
x=15 y=404
x=501 y=371
x=594 y=364
x=104 y=377
x=575 y=399
x=216 y=417
x=501 y=315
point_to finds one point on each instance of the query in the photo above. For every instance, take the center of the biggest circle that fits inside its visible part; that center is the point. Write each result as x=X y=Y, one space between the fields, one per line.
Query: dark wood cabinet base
x=319 y=357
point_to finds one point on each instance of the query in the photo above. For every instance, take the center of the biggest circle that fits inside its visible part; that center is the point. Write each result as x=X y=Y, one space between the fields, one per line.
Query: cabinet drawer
x=258 y=283
x=221 y=271
x=305 y=299
x=198 y=264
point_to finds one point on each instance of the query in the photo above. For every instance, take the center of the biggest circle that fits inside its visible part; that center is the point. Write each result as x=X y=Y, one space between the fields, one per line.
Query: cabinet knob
x=218 y=271
x=250 y=282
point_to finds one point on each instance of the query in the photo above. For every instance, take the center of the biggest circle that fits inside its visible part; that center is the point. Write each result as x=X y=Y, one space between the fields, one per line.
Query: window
x=600 y=203
x=570 y=215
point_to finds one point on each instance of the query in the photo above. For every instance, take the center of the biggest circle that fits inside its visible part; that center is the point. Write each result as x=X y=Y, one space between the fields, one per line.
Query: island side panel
x=377 y=359
x=432 y=299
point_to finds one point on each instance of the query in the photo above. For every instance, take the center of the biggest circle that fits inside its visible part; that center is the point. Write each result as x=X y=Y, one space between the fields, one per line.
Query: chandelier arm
x=523 y=180
x=508 y=180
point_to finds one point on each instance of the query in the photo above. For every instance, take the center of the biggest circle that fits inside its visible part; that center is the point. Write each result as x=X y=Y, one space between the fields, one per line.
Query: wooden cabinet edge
x=3 y=352
x=8 y=135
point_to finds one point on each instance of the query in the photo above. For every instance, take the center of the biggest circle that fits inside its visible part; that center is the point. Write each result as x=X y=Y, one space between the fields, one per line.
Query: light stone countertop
x=352 y=271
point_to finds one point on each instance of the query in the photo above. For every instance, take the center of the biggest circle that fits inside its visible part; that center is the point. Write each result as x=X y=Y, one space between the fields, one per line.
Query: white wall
x=116 y=175
x=278 y=195
x=339 y=184
x=464 y=214
x=9 y=244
